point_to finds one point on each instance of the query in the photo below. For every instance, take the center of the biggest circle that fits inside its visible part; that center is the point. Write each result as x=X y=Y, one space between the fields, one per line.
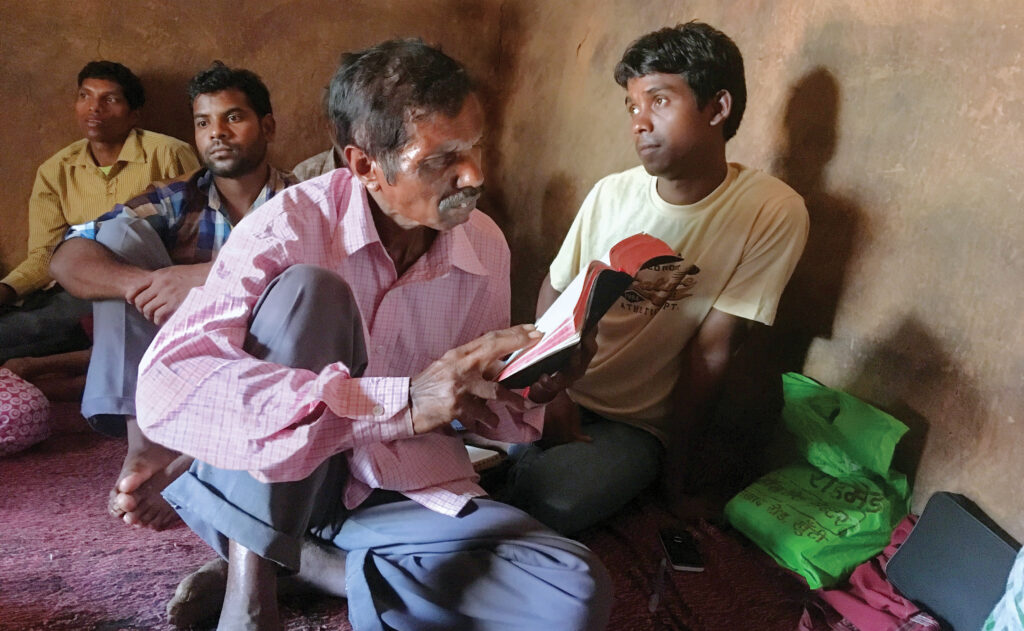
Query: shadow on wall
x=747 y=418
x=511 y=41
x=911 y=368
x=808 y=308
x=558 y=207
x=167 y=108
x=530 y=256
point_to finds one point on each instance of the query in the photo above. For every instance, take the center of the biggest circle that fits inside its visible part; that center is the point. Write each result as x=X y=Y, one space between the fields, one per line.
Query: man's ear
x=269 y=126
x=135 y=116
x=722 y=107
x=361 y=166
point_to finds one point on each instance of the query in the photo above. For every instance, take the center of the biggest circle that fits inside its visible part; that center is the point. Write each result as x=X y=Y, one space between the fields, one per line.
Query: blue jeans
x=576 y=485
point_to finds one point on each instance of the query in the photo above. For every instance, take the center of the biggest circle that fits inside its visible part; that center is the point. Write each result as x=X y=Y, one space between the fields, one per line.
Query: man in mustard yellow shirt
x=111 y=164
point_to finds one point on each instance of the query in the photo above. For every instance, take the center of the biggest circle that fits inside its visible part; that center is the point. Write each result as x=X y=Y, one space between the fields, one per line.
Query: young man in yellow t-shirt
x=661 y=358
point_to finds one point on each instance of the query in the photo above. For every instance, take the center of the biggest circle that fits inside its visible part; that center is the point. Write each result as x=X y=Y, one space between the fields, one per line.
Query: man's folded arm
x=46 y=226
x=237 y=412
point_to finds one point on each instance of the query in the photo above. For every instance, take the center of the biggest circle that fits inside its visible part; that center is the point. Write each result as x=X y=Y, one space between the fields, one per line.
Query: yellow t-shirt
x=745 y=239
x=71 y=189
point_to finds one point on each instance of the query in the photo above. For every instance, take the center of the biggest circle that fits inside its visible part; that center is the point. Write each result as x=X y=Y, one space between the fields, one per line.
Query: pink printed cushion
x=24 y=414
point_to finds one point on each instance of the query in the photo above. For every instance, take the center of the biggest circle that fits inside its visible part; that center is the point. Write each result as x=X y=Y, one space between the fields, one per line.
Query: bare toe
x=113 y=506
x=140 y=500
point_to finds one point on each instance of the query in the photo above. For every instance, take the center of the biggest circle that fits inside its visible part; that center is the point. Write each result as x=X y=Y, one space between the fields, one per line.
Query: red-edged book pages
x=581 y=305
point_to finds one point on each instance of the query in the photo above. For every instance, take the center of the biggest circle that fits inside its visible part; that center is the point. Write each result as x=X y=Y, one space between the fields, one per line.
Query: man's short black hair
x=219 y=77
x=119 y=74
x=704 y=56
x=377 y=91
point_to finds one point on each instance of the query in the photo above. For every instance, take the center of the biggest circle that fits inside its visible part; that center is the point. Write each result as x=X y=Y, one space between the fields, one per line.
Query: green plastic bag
x=824 y=517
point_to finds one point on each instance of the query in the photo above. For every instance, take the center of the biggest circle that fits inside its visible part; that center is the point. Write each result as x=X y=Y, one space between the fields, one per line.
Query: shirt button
x=378 y=410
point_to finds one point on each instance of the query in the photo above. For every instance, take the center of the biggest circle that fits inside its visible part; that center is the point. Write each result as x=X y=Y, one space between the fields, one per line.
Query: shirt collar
x=131 y=151
x=276 y=183
x=463 y=252
x=451 y=248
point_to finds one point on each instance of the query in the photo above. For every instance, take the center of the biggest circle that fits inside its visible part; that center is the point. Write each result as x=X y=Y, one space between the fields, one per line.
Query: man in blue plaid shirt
x=139 y=261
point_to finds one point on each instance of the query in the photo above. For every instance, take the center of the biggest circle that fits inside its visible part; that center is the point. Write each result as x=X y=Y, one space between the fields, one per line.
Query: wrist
x=7 y=294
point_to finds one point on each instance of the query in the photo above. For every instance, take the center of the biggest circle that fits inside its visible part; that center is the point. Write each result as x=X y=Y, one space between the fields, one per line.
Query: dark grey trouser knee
x=120 y=333
x=573 y=486
x=48 y=322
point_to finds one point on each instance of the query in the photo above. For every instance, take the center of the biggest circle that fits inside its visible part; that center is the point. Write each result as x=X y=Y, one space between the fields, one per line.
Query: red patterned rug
x=65 y=564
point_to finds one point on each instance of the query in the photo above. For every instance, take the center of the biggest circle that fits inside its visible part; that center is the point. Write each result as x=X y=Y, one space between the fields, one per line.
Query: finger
x=487 y=349
x=133 y=293
x=153 y=306
x=160 y=315
x=143 y=298
x=547 y=387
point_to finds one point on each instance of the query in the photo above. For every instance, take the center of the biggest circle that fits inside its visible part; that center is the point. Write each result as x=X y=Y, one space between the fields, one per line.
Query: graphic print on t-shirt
x=659 y=287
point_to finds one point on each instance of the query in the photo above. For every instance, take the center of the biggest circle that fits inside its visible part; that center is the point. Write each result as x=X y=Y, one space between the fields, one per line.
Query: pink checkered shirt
x=199 y=393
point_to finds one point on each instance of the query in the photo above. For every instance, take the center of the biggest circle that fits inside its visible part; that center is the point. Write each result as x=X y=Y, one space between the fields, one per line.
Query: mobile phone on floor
x=681 y=549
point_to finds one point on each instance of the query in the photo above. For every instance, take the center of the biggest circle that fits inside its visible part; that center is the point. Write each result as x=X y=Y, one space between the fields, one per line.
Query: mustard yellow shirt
x=71 y=189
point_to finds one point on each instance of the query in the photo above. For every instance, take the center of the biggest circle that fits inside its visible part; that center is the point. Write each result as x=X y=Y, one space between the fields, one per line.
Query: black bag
x=954 y=563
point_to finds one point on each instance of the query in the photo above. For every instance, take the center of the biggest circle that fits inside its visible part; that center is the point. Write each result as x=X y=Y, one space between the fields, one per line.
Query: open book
x=594 y=290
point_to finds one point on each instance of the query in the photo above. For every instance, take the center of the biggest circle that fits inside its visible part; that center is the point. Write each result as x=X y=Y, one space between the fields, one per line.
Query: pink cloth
x=871 y=602
x=24 y=414
x=201 y=394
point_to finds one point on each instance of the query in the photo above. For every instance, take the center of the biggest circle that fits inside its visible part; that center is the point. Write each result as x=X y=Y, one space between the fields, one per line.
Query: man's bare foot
x=148 y=468
x=199 y=595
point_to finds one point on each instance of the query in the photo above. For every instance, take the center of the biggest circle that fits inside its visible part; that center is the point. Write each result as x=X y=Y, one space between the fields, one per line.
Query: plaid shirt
x=195 y=225
x=201 y=394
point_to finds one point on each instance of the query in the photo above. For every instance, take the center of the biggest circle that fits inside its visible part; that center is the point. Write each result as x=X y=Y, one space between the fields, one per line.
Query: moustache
x=460 y=197
x=219 y=146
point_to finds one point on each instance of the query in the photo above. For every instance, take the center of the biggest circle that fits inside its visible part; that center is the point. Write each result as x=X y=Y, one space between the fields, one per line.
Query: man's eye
x=632 y=109
x=200 y=123
x=439 y=163
x=660 y=100
x=234 y=118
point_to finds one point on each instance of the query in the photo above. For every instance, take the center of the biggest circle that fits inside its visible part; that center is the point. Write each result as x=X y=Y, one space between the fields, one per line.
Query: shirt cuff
x=377 y=406
x=22 y=284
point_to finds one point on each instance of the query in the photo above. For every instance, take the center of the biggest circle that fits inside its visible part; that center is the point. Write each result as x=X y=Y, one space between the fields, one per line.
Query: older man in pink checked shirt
x=315 y=375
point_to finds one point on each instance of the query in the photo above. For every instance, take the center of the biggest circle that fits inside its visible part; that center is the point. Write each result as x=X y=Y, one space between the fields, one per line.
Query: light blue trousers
x=407 y=567
x=121 y=334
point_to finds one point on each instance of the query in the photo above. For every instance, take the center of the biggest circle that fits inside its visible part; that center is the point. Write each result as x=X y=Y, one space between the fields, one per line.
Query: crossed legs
x=400 y=565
